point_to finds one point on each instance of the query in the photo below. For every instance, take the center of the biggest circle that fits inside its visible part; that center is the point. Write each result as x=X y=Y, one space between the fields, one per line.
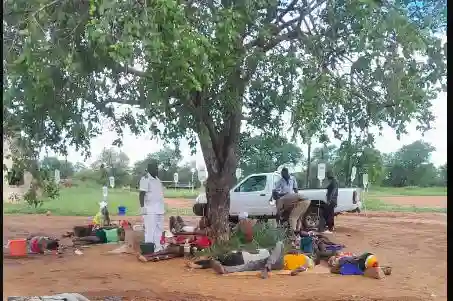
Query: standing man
x=290 y=200
x=152 y=205
x=331 y=199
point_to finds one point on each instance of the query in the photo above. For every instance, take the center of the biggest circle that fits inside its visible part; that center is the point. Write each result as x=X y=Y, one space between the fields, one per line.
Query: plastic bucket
x=121 y=210
x=17 y=247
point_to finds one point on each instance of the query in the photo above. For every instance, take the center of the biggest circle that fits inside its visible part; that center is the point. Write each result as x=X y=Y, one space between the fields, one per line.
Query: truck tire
x=199 y=209
x=314 y=219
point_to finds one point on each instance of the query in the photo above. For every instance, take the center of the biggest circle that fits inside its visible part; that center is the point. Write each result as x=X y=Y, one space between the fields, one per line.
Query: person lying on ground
x=38 y=244
x=233 y=258
x=177 y=225
x=197 y=239
x=202 y=229
x=101 y=236
x=277 y=260
x=366 y=264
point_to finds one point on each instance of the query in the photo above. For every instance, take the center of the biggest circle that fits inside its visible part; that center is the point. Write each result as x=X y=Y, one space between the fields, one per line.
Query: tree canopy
x=203 y=68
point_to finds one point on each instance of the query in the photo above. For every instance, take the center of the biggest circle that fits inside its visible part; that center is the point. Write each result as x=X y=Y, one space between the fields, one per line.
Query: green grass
x=84 y=201
x=408 y=191
x=374 y=204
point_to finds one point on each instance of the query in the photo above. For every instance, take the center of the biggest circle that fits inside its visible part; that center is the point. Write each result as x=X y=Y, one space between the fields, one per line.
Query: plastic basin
x=17 y=247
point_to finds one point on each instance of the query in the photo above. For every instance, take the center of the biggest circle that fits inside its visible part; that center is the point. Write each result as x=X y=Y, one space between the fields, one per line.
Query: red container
x=17 y=247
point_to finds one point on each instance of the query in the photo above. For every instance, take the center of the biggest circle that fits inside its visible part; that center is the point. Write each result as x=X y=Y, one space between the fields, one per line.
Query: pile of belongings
x=59 y=297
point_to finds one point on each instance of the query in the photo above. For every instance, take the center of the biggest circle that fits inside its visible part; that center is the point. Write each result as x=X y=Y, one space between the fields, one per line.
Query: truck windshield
x=255 y=183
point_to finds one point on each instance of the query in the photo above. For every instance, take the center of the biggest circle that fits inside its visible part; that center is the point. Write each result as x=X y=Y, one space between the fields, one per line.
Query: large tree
x=410 y=166
x=201 y=67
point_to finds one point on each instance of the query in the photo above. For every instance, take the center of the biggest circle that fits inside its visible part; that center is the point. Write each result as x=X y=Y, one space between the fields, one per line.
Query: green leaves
x=197 y=68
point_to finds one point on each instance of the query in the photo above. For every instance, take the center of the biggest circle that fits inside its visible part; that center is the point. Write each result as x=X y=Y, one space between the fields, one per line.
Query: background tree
x=199 y=67
x=168 y=159
x=65 y=167
x=111 y=162
x=410 y=166
x=265 y=153
x=443 y=174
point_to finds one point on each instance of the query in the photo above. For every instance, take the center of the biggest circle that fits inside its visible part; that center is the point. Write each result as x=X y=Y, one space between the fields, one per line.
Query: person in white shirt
x=152 y=206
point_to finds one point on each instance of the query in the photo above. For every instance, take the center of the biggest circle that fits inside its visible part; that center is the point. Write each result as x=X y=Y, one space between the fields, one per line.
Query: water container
x=112 y=235
x=122 y=210
x=186 y=248
x=17 y=247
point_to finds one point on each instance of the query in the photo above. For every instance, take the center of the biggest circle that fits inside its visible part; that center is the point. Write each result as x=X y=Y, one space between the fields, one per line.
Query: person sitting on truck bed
x=289 y=200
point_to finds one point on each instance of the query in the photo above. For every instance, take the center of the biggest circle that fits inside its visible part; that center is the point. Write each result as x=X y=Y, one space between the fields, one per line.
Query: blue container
x=121 y=210
x=306 y=244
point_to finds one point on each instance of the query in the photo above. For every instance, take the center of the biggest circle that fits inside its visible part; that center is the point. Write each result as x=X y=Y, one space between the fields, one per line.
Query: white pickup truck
x=253 y=195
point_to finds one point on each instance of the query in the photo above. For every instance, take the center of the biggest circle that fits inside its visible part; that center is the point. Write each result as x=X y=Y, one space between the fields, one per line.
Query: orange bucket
x=17 y=247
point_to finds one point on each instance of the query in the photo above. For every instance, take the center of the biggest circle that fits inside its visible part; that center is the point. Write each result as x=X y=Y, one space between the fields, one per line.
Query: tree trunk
x=218 y=196
x=221 y=169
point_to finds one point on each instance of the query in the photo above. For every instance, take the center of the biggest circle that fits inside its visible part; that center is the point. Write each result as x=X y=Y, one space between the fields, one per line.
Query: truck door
x=248 y=195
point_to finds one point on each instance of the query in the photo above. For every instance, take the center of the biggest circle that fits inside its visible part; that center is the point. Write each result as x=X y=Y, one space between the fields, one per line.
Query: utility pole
x=307 y=180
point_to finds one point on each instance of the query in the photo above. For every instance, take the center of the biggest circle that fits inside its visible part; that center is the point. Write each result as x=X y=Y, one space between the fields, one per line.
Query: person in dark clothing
x=331 y=200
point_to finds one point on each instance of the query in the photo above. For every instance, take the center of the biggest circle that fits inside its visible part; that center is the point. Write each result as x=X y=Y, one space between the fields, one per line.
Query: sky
x=138 y=147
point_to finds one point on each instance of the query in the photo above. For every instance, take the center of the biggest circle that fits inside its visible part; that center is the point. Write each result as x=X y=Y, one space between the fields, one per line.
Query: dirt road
x=415 y=245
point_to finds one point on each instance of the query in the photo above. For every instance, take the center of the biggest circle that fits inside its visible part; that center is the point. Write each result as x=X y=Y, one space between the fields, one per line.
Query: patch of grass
x=374 y=204
x=84 y=201
x=408 y=191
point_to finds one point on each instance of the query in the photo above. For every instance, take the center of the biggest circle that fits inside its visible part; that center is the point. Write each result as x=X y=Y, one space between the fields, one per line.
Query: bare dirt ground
x=417 y=201
x=415 y=245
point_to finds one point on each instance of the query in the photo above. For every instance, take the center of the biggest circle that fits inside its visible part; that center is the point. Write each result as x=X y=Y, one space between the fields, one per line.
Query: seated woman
x=101 y=236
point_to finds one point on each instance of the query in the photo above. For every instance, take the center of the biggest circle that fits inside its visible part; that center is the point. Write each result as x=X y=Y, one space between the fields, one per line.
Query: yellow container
x=294 y=261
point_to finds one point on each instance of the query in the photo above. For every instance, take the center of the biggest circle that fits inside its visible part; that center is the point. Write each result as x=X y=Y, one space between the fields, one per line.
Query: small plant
x=265 y=236
x=31 y=197
x=51 y=189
